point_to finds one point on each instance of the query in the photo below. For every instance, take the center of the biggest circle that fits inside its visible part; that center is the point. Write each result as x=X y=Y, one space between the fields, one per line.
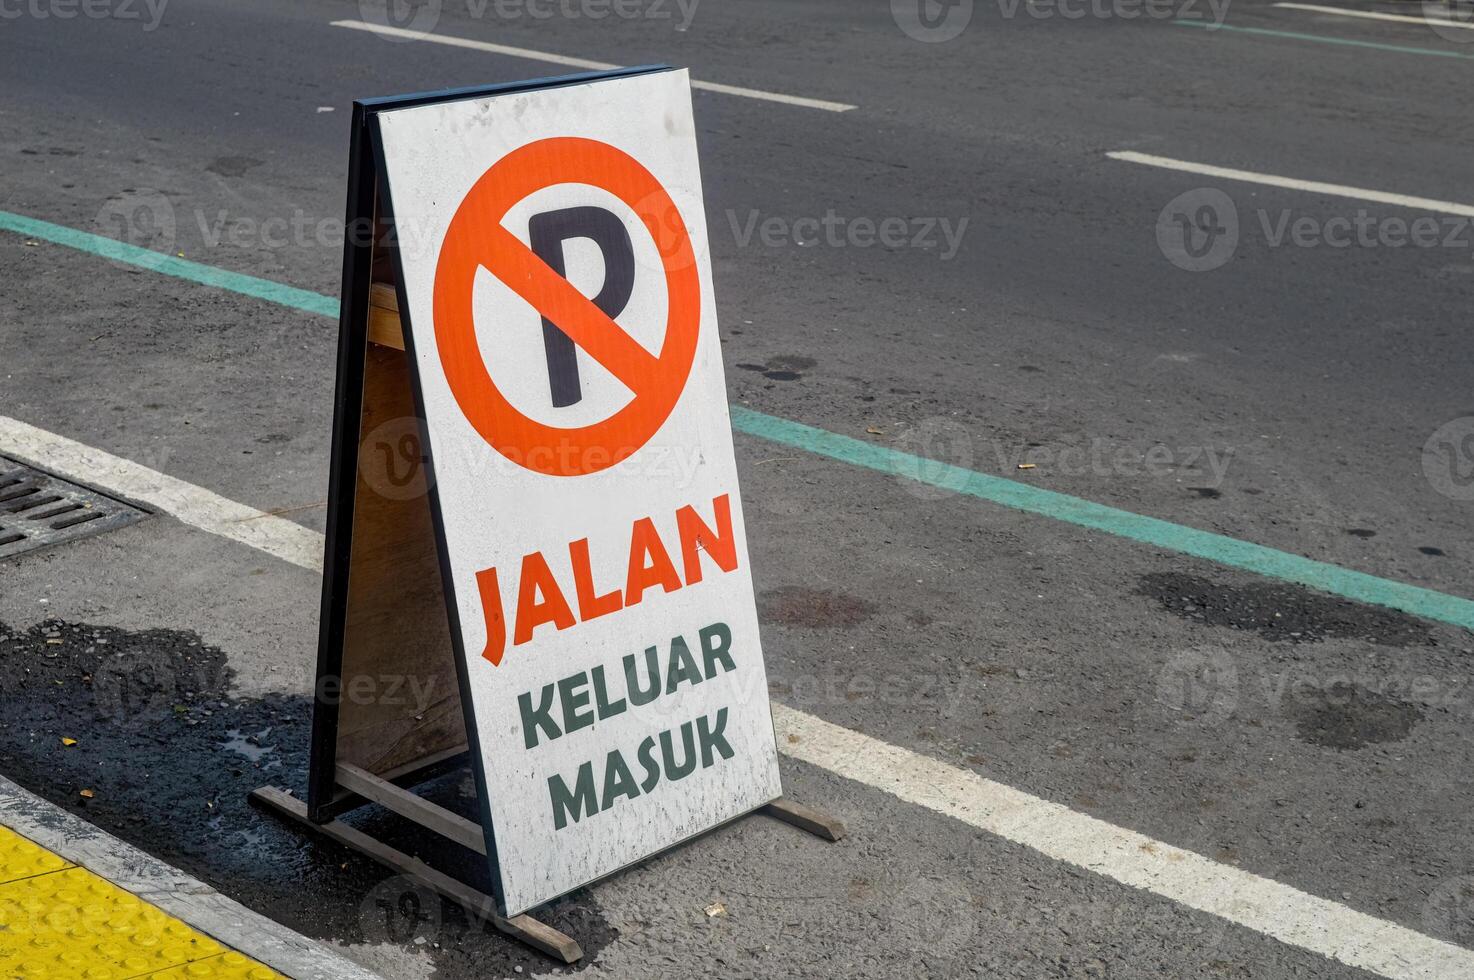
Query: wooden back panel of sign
x=400 y=700
x=388 y=696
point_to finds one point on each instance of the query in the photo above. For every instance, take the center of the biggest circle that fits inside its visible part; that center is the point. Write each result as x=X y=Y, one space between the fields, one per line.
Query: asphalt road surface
x=1067 y=283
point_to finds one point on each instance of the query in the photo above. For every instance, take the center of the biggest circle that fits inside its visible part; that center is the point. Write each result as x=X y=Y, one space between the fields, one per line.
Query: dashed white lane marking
x=1294 y=183
x=1267 y=907
x=186 y=502
x=1374 y=15
x=566 y=61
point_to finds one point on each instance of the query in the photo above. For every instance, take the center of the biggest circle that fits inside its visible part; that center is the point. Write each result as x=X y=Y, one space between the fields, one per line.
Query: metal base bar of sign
x=524 y=927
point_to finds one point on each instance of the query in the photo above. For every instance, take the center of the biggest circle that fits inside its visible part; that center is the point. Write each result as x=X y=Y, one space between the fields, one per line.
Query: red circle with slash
x=477 y=239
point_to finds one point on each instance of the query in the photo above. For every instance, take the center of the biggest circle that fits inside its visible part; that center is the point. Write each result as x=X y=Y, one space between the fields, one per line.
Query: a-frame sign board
x=536 y=559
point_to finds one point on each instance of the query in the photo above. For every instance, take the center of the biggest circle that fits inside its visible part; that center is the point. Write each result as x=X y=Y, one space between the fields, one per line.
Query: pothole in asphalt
x=1281 y=612
x=169 y=756
x=1348 y=716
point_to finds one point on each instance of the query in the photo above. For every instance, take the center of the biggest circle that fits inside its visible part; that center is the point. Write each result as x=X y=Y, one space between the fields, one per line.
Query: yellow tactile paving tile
x=228 y=966
x=62 y=922
x=73 y=924
x=19 y=858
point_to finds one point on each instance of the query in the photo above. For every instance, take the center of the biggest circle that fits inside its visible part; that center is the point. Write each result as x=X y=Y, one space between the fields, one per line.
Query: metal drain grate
x=38 y=511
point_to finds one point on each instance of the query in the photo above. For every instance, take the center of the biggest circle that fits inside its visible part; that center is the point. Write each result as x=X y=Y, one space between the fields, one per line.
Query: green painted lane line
x=1121 y=523
x=995 y=489
x=1323 y=39
x=169 y=265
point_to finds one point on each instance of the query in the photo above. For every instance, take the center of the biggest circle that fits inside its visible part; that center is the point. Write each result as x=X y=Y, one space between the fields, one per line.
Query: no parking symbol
x=478 y=239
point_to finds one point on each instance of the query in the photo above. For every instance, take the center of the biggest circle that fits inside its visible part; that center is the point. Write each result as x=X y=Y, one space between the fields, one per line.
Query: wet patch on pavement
x=797 y=605
x=784 y=367
x=169 y=755
x=1281 y=612
x=1347 y=716
x=233 y=166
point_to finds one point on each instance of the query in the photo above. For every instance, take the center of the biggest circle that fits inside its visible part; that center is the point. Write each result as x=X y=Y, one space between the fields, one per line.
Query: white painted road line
x=1265 y=906
x=1294 y=183
x=186 y=502
x=186 y=898
x=566 y=61
x=1373 y=15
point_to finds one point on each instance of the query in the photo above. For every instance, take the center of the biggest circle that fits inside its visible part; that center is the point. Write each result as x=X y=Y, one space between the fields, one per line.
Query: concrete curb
x=173 y=891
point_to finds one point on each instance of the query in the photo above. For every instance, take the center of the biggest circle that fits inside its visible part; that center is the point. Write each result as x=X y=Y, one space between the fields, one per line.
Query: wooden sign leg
x=816 y=822
x=524 y=927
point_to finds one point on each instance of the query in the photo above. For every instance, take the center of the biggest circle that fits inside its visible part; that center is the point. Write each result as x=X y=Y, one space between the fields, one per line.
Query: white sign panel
x=562 y=324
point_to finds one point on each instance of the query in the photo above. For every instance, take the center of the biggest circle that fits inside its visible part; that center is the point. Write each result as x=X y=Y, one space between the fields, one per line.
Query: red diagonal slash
x=575 y=314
